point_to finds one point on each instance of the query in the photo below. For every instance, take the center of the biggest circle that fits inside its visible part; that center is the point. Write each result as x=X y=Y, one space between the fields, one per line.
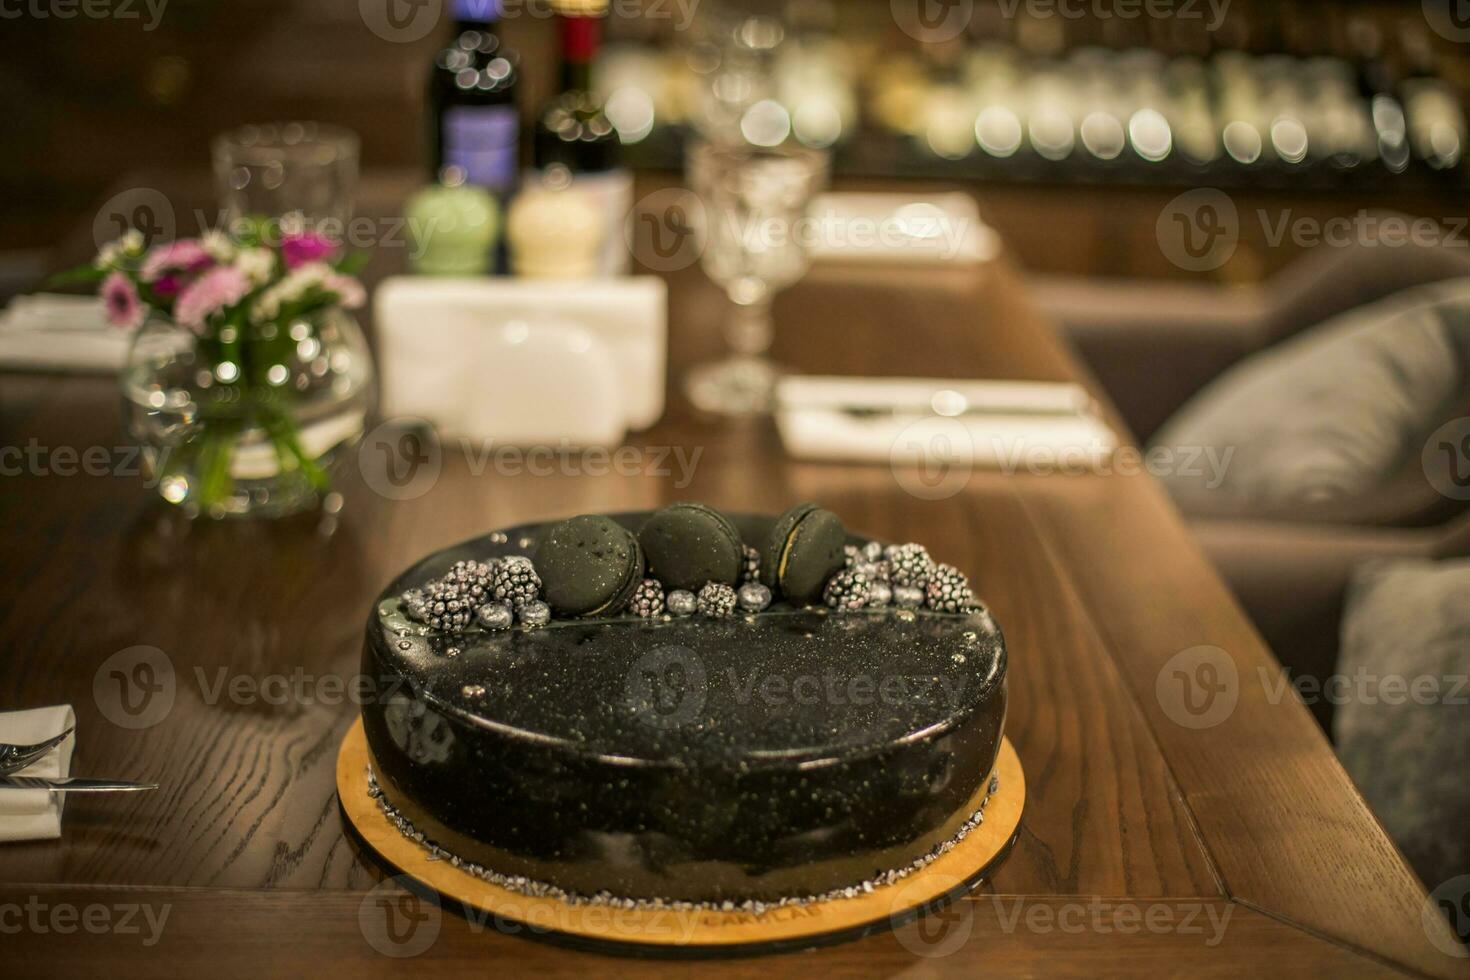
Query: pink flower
x=303 y=247
x=184 y=255
x=120 y=302
x=218 y=288
x=349 y=291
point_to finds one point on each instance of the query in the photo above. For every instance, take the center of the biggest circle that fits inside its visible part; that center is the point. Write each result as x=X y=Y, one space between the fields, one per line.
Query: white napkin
x=862 y=226
x=35 y=814
x=1011 y=426
x=53 y=332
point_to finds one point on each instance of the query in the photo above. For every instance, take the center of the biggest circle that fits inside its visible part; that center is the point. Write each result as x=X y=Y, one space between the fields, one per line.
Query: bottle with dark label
x=574 y=135
x=473 y=120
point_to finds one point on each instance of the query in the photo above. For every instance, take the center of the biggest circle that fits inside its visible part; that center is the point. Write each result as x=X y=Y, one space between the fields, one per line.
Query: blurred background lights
x=998 y=131
x=767 y=123
x=1149 y=133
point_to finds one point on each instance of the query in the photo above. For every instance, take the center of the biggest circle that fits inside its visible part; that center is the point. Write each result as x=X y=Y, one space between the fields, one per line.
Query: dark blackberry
x=848 y=589
x=948 y=590
x=717 y=600
x=516 y=582
x=648 y=600
x=910 y=564
x=449 y=607
x=475 y=579
x=750 y=567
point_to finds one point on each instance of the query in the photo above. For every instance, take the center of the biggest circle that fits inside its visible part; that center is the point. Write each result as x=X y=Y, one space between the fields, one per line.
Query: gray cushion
x=1406 y=639
x=1329 y=414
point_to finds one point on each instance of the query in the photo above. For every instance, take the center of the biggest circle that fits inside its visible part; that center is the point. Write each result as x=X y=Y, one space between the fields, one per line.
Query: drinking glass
x=755 y=202
x=300 y=171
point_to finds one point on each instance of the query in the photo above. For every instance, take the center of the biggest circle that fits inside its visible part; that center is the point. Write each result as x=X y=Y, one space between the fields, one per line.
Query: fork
x=14 y=758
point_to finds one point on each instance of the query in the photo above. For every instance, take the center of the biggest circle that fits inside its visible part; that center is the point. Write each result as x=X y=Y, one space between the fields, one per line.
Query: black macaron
x=589 y=566
x=803 y=551
x=688 y=545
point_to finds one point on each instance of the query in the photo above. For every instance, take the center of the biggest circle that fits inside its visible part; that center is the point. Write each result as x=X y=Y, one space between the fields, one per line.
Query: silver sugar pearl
x=908 y=596
x=495 y=616
x=535 y=613
x=873 y=551
x=754 y=597
x=681 y=602
x=473 y=690
x=879 y=594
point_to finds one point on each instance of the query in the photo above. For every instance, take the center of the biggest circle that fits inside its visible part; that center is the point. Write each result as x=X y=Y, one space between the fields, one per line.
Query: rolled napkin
x=35 y=814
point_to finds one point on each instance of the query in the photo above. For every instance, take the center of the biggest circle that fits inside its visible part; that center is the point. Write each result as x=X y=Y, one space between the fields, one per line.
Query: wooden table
x=1147 y=845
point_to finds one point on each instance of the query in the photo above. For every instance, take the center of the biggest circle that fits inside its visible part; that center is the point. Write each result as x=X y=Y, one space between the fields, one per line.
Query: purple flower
x=120 y=302
x=167 y=286
x=303 y=247
x=218 y=288
x=184 y=255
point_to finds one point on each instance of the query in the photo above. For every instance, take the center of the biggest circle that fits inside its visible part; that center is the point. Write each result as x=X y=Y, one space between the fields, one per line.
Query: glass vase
x=248 y=427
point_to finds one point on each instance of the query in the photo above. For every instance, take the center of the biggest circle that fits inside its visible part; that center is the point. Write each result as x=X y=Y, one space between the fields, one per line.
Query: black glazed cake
x=658 y=754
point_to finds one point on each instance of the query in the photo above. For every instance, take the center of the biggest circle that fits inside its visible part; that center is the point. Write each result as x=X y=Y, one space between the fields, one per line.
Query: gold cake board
x=700 y=931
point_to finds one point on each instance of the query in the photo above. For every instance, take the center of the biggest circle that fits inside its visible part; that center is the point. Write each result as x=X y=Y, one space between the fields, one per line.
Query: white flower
x=257 y=265
x=130 y=245
x=218 y=245
x=292 y=287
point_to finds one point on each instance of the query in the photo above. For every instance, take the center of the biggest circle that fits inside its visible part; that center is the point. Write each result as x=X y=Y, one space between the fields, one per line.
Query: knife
x=73 y=784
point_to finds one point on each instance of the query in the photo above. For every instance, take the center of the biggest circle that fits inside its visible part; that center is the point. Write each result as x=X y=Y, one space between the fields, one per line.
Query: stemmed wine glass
x=755 y=200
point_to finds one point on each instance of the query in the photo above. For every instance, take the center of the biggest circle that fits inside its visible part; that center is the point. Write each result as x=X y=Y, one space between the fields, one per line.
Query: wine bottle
x=574 y=134
x=473 y=120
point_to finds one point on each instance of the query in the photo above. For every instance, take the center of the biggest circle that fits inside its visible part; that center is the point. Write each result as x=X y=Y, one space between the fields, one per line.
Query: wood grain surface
x=1094 y=579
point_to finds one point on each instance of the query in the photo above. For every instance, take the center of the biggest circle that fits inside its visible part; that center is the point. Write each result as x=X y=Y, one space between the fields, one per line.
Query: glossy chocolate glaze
x=788 y=753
